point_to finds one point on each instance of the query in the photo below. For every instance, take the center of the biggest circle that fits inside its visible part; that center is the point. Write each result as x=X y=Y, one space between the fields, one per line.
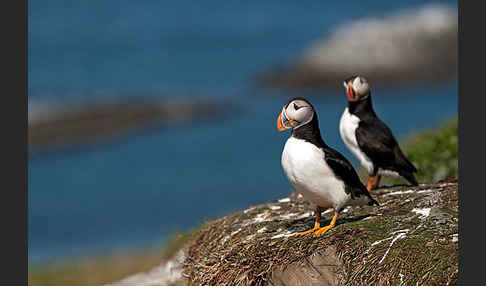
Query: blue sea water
x=136 y=192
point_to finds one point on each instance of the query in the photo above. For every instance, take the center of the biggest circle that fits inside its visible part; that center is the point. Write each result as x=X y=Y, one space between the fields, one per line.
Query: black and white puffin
x=321 y=174
x=369 y=139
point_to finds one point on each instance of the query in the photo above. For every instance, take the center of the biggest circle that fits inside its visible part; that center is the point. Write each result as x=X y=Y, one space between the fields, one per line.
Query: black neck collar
x=362 y=108
x=310 y=132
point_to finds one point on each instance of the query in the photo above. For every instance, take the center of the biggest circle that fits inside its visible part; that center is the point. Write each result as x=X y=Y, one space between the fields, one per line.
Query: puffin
x=369 y=139
x=322 y=175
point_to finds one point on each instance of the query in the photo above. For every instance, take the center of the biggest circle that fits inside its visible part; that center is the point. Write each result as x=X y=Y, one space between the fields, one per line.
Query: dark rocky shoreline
x=83 y=124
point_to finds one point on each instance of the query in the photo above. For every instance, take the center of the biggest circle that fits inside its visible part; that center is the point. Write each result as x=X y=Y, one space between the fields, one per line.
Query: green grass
x=434 y=151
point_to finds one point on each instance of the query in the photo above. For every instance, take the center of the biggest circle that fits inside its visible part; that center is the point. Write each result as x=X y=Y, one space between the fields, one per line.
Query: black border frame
x=14 y=152
x=471 y=144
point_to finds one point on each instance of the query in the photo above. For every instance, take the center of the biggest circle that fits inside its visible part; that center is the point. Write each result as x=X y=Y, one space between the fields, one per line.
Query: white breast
x=347 y=129
x=305 y=167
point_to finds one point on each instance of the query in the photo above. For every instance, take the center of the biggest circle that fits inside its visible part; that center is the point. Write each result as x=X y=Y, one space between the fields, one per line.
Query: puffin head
x=357 y=88
x=295 y=113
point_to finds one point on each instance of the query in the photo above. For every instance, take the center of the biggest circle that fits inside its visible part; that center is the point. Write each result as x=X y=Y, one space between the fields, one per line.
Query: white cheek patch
x=357 y=84
x=306 y=117
x=361 y=88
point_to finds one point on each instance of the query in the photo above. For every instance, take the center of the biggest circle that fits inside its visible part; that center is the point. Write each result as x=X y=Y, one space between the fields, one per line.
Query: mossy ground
x=393 y=244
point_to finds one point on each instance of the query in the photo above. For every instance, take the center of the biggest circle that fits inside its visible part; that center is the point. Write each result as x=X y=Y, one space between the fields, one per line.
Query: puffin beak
x=350 y=91
x=280 y=125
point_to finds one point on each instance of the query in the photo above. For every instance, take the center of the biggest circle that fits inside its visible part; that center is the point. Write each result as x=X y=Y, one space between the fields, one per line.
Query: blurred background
x=147 y=118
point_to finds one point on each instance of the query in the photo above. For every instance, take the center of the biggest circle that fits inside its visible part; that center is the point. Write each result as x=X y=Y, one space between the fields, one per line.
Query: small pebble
x=455 y=237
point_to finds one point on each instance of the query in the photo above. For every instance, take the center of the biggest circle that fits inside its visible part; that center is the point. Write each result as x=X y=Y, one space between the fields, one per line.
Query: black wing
x=345 y=171
x=376 y=140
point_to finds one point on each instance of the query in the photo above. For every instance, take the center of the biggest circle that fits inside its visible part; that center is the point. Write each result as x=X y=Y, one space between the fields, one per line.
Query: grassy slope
x=386 y=245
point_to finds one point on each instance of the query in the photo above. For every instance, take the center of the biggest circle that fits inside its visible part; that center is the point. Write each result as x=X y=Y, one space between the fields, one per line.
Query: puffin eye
x=296 y=107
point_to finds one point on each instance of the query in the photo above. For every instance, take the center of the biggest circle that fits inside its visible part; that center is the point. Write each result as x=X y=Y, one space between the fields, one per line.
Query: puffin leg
x=377 y=182
x=317 y=223
x=370 y=183
x=322 y=230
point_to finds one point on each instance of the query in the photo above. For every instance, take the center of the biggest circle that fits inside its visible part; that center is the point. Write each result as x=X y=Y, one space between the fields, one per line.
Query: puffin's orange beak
x=280 y=125
x=350 y=91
